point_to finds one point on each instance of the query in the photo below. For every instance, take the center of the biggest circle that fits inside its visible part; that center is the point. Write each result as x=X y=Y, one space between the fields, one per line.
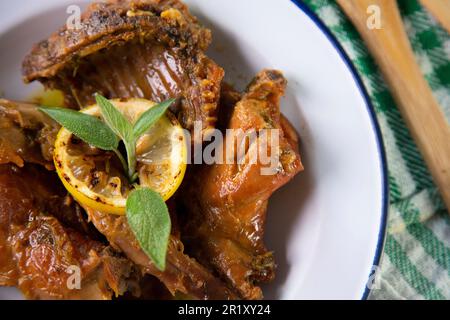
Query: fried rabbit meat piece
x=37 y=249
x=227 y=203
x=151 y=49
x=182 y=275
x=26 y=134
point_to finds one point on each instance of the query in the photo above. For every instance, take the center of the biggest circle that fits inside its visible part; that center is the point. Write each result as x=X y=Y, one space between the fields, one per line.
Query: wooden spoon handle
x=391 y=48
x=440 y=9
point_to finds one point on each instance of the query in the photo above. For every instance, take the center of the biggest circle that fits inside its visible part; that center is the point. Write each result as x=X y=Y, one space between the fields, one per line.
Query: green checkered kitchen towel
x=416 y=261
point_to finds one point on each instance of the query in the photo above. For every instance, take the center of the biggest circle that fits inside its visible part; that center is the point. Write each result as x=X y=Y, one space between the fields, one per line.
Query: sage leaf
x=88 y=128
x=150 y=117
x=149 y=219
x=122 y=127
x=115 y=119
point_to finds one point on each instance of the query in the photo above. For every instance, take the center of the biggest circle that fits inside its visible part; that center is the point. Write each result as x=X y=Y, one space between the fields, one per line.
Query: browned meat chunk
x=36 y=249
x=226 y=203
x=182 y=275
x=151 y=49
x=150 y=289
x=26 y=135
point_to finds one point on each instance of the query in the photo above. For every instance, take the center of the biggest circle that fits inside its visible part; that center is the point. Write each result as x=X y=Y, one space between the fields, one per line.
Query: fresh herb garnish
x=149 y=219
x=147 y=213
x=149 y=117
x=86 y=127
x=127 y=132
x=122 y=128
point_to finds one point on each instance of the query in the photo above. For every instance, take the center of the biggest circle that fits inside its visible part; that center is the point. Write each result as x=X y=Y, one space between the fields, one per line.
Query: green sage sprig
x=147 y=213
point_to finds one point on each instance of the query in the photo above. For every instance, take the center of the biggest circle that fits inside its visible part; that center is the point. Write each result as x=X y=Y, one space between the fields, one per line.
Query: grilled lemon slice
x=96 y=179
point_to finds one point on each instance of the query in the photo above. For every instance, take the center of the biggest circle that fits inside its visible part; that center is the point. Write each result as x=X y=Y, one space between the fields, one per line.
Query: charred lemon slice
x=96 y=178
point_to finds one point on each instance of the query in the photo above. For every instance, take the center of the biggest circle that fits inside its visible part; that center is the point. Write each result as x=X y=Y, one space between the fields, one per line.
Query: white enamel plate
x=327 y=226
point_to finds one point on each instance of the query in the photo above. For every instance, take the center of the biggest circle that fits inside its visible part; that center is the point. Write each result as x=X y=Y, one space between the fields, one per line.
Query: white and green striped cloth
x=416 y=261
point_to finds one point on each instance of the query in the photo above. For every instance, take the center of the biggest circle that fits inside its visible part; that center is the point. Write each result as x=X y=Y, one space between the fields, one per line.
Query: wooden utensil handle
x=440 y=9
x=391 y=48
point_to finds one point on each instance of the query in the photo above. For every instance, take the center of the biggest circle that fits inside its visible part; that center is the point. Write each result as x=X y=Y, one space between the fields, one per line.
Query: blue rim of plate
x=376 y=128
